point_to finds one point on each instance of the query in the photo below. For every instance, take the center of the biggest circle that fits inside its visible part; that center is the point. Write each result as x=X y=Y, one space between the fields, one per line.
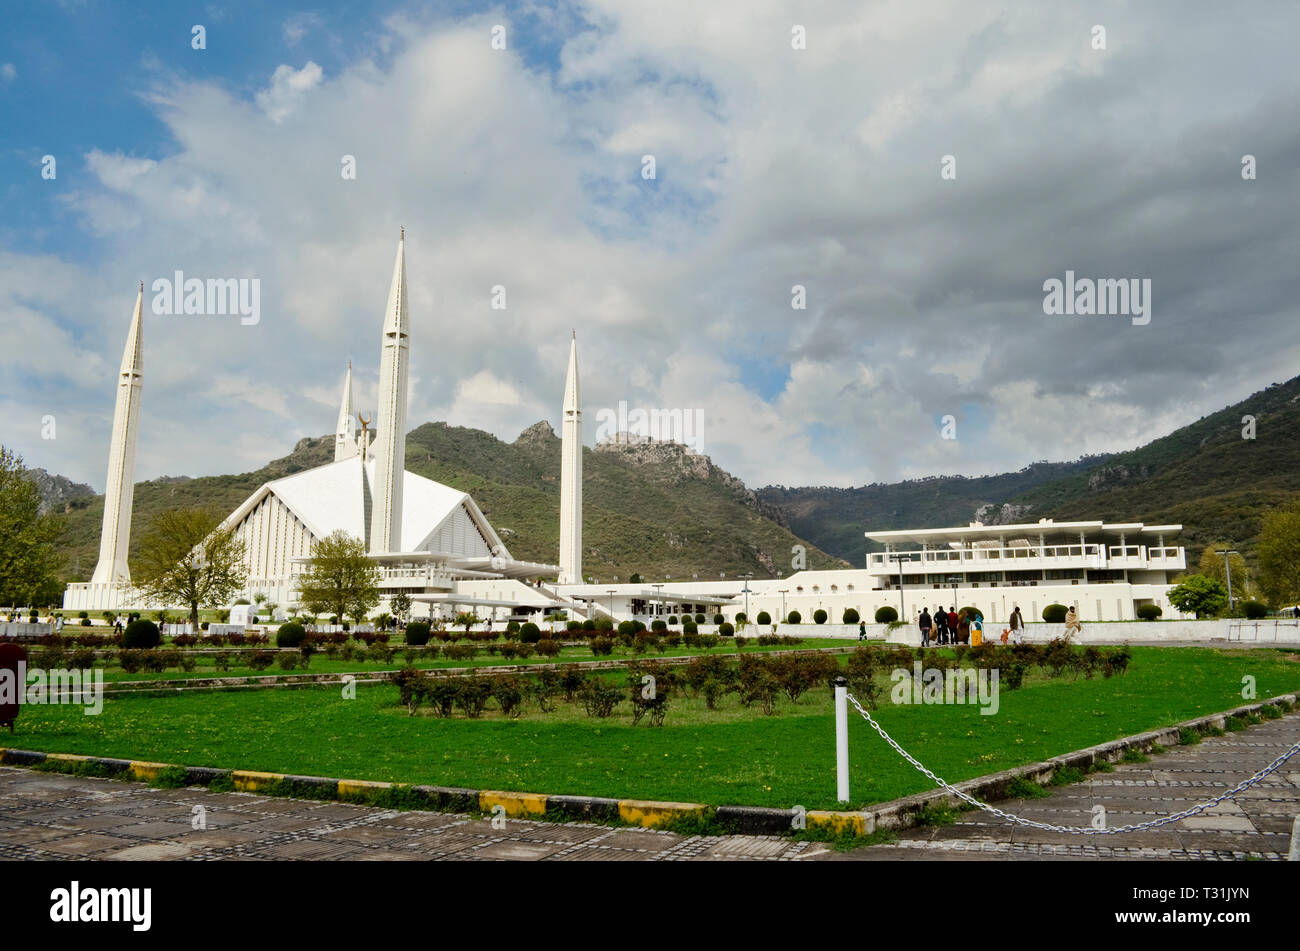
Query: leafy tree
x=27 y=557
x=635 y=579
x=1199 y=594
x=187 y=557
x=1279 y=556
x=340 y=578
x=401 y=605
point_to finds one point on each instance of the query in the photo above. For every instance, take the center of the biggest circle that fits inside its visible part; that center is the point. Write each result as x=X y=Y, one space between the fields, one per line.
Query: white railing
x=1081 y=555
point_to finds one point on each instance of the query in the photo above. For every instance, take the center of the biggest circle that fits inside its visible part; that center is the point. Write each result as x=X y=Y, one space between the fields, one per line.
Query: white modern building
x=1105 y=570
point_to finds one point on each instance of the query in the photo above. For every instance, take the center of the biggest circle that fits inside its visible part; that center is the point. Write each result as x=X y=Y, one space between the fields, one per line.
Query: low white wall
x=1117 y=632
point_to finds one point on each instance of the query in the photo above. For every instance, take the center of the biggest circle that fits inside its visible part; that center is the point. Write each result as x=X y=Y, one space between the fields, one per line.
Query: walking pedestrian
x=1017 y=626
x=925 y=622
x=1072 y=622
x=862 y=630
x=940 y=625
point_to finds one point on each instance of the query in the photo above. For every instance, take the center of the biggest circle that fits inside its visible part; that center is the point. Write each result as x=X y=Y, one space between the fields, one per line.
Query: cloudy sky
x=774 y=167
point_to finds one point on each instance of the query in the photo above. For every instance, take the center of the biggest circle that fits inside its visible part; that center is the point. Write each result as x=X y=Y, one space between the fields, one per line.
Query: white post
x=1294 y=854
x=842 y=740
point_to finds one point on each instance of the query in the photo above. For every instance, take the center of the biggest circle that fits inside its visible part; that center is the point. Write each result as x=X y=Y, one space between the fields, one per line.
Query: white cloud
x=8 y=72
x=776 y=167
x=287 y=89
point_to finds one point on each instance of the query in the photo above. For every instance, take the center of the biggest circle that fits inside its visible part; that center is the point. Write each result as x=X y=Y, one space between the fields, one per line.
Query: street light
x=745 y=591
x=611 y=603
x=900 y=557
x=659 y=595
x=1227 y=569
x=954 y=580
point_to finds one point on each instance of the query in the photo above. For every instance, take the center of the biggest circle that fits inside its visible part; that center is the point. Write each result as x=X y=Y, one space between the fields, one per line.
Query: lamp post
x=745 y=591
x=1227 y=570
x=900 y=557
x=954 y=580
x=611 y=603
x=658 y=595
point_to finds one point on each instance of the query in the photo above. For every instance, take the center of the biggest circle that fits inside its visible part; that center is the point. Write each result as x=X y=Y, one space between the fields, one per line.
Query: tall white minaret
x=571 y=474
x=119 y=488
x=345 y=440
x=390 y=419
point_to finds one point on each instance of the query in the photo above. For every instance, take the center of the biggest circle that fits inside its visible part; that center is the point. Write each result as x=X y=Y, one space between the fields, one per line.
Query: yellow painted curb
x=650 y=814
x=359 y=787
x=839 y=822
x=247 y=780
x=146 y=772
x=68 y=757
x=515 y=803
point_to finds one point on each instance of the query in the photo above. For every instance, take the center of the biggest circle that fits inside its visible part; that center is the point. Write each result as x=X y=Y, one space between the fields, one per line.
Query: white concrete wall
x=1224 y=630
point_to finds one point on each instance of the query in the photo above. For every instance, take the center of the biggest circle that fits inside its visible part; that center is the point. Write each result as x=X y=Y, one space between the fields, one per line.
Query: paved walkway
x=53 y=816
x=1256 y=825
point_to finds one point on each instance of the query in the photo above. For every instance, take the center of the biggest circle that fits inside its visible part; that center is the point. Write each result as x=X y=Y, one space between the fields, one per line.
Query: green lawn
x=733 y=755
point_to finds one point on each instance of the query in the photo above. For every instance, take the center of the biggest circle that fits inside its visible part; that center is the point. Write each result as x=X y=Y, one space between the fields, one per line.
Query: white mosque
x=430 y=541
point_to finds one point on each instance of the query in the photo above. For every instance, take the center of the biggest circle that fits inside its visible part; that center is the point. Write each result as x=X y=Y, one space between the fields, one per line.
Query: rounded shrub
x=512 y=627
x=819 y=616
x=718 y=619
x=290 y=634
x=1149 y=612
x=530 y=633
x=658 y=625
x=690 y=627
x=1254 y=609
x=417 y=633
x=1055 y=613
x=589 y=625
x=726 y=629
x=763 y=618
x=699 y=619
x=672 y=619
x=741 y=617
x=82 y=614
x=141 y=633
x=886 y=614
x=794 y=617
x=627 y=628
x=851 y=616
x=573 y=626
x=604 y=624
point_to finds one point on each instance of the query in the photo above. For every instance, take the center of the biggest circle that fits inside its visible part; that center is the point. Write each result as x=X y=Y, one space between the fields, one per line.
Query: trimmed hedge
x=290 y=634
x=417 y=633
x=1055 y=613
x=141 y=634
x=886 y=614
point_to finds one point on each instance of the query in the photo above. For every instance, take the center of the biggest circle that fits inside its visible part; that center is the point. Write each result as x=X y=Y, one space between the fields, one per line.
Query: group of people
x=951 y=626
x=967 y=626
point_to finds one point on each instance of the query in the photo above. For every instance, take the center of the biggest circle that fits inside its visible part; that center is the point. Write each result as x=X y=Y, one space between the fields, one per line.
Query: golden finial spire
x=403 y=232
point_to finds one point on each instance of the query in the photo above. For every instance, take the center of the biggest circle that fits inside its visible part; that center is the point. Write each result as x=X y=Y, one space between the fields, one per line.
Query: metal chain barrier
x=1073 y=830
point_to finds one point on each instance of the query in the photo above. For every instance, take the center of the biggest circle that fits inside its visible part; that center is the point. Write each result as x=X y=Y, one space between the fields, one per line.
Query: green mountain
x=835 y=518
x=1204 y=476
x=657 y=510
